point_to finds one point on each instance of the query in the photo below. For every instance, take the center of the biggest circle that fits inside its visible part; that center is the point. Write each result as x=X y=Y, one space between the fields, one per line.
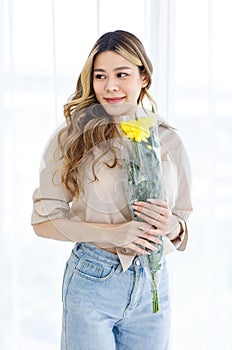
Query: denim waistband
x=101 y=255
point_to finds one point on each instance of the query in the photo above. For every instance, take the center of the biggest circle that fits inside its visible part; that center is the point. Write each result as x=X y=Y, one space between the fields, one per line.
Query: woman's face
x=117 y=83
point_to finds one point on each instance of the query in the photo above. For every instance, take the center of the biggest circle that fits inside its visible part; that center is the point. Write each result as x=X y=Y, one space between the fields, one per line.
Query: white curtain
x=43 y=46
x=202 y=110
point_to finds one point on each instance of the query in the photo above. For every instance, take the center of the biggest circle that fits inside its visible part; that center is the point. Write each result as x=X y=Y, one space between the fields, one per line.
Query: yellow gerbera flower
x=139 y=129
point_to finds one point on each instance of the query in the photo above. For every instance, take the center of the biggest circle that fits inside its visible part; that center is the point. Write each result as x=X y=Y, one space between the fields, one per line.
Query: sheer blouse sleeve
x=51 y=199
x=177 y=180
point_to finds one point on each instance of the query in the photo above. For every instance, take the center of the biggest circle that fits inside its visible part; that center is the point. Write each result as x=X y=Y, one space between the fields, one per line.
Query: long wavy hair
x=87 y=123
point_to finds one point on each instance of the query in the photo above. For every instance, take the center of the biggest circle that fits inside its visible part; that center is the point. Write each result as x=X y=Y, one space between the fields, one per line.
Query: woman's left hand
x=155 y=212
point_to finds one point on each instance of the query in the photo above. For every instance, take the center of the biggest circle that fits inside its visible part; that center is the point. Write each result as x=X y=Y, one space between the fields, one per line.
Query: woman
x=106 y=293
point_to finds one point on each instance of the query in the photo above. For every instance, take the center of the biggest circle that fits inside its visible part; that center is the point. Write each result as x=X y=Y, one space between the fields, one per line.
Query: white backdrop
x=43 y=45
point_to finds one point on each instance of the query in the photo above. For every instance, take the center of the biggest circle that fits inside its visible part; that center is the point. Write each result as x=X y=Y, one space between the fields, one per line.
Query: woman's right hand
x=135 y=235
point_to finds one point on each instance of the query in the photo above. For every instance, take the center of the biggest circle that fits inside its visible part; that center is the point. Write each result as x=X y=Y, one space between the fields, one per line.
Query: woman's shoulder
x=167 y=131
x=163 y=123
x=52 y=144
x=170 y=140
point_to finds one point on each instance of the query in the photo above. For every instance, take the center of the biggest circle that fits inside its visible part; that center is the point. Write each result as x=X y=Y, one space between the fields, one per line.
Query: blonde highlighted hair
x=87 y=125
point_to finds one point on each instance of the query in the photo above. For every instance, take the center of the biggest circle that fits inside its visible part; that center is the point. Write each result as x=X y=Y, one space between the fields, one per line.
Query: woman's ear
x=145 y=80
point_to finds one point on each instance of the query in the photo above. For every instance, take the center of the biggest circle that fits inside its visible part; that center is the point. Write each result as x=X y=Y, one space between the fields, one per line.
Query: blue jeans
x=105 y=308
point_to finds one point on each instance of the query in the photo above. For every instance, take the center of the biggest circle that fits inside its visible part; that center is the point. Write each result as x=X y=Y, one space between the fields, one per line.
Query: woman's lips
x=113 y=100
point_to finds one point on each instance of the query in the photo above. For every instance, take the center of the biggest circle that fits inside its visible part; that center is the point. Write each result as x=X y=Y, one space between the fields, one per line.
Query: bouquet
x=144 y=177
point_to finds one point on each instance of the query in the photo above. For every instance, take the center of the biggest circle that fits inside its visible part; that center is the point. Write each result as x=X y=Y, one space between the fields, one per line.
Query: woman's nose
x=112 y=85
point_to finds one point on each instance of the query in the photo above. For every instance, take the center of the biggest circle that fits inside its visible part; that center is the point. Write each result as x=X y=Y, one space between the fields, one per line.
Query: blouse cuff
x=177 y=232
x=49 y=209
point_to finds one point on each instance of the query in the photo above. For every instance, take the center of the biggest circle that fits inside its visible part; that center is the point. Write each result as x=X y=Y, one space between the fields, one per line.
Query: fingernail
x=150 y=200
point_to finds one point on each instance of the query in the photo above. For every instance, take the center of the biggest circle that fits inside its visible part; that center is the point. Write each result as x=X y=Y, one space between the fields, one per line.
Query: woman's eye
x=99 y=76
x=122 y=75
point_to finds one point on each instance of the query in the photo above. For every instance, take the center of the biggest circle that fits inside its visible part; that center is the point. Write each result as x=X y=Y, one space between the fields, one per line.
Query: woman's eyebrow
x=115 y=69
x=121 y=68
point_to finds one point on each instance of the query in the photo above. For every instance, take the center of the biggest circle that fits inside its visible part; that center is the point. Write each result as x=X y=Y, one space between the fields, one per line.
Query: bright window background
x=43 y=46
x=202 y=104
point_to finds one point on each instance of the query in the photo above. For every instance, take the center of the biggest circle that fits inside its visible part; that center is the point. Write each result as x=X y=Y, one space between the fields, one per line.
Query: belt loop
x=76 y=246
x=76 y=252
x=118 y=269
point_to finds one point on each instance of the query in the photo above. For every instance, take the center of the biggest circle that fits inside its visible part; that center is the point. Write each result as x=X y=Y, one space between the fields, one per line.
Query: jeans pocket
x=68 y=273
x=93 y=269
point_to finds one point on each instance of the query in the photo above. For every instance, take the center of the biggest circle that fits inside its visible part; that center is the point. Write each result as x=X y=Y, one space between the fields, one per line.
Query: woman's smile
x=114 y=100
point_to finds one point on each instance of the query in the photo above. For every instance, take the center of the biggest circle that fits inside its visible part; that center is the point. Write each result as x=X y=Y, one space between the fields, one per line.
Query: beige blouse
x=105 y=200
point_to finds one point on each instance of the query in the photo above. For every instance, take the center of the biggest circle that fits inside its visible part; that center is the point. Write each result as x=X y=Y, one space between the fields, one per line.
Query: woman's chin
x=118 y=109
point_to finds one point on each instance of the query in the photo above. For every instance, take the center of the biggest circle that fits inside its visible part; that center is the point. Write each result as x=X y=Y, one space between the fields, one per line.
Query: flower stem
x=155 y=301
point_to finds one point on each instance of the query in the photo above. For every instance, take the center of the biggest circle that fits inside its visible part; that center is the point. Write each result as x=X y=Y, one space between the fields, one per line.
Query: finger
x=145 y=244
x=153 y=231
x=154 y=201
x=138 y=249
x=151 y=210
x=152 y=238
x=146 y=211
x=144 y=228
x=158 y=223
x=158 y=202
x=157 y=232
